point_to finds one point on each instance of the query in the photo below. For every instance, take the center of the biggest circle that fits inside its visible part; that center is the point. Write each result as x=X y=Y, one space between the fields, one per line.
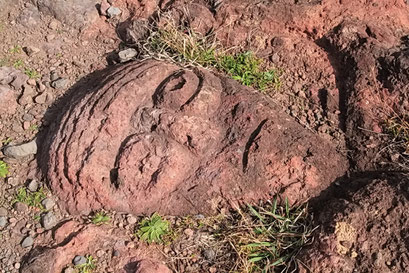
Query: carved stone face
x=154 y=137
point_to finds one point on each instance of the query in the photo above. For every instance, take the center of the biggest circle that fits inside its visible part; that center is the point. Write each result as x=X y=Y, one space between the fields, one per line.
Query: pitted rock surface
x=152 y=136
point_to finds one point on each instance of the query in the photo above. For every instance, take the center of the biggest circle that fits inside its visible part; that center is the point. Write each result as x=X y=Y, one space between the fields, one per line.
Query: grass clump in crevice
x=187 y=48
x=247 y=69
x=152 y=229
x=267 y=238
x=31 y=199
x=100 y=218
x=4 y=169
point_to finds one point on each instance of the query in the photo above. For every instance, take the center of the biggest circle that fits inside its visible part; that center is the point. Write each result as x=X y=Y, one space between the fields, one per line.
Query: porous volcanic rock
x=364 y=231
x=152 y=136
x=374 y=83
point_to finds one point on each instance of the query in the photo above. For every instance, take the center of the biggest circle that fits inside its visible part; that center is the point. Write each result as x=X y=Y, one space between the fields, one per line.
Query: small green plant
x=18 y=64
x=37 y=217
x=31 y=73
x=32 y=199
x=4 y=169
x=151 y=229
x=100 y=218
x=7 y=141
x=88 y=266
x=247 y=69
x=33 y=127
x=15 y=49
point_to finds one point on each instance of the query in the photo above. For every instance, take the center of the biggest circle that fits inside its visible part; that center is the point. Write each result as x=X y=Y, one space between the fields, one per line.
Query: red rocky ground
x=144 y=137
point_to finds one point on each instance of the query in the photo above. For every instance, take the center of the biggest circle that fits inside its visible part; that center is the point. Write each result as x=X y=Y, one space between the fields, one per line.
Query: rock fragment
x=48 y=203
x=48 y=220
x=3 y=221
x=27 y=242
x=60 y=83
x=33 y=185
x=113 y=12
x=7 y=101
x=79 y=260
x=127 y=54
x=22 y=150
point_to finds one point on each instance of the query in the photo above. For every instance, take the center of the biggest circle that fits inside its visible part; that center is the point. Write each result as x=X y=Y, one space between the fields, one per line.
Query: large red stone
x=152 y=136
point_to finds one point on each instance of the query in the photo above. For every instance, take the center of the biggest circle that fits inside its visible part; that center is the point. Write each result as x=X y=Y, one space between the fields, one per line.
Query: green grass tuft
x=247 y=69
x=100 y=218
x=31 y=73
x=4 y=169
x=151 y=229
x=32 y=199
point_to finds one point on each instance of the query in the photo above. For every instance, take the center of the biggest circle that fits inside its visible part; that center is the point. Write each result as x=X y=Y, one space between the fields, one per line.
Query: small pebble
x=3 y=221
x=48 y=203
x=31 y=82
x=33 y=185
x=48 y=220
x=27 y=242
x=79 y=260
x=20 y=207
x=69 y=270
x=131 y=219
x=189 y=232
x=130 y=244
x=115 y=253
x=3 y=211
x=127 y=54
x=113 y=11
x=41 y=99
x=60 y=83
x=100 y=253
x=17 y=265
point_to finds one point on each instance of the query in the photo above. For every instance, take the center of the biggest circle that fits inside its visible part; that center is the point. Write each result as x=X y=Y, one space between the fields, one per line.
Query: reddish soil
x=112 y=136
